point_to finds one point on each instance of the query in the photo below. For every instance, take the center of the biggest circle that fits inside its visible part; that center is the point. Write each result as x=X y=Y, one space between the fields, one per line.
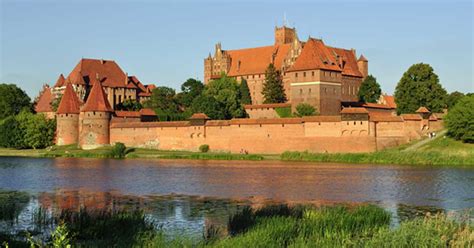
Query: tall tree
x=13 y=100
x=273 y=90
x=369 y=90
x=226 y=91
x=419 y=86
x=460 y=120
x=190 y=89
x=453 y=98
x=163 y=100
x=245 y=97
x=129 y=105
x=210 y=106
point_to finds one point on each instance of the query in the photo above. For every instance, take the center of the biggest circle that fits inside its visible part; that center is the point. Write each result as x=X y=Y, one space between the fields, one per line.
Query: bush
x=460 y=120
x=204 y=148
x=304 y=109
x=119 y=150
x=284 y=112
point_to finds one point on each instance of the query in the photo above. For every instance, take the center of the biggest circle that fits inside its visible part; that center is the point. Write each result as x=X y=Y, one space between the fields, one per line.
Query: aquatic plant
x=12 y=203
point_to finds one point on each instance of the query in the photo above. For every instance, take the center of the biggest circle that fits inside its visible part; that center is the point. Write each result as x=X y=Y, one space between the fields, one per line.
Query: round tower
x=95 y=119
x=67 y=118
x=363 y=65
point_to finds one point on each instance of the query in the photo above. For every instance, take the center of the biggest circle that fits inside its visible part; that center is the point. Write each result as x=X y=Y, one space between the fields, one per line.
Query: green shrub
x=460 y=120
x=305 y=109
x=119 y=150
x=284 y=112
x=204 y=148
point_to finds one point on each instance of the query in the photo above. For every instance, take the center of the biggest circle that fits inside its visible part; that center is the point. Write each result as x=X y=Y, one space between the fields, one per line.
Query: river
x=183 y=195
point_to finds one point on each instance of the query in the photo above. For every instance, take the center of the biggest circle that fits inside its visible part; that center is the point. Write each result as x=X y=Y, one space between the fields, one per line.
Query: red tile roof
x=97 y=100
x=390 y=101
x=322 y=118
x=422 y=110
x=60 y=82
x=348 y=62
x=384 y=117
x=147 y=112
x=199 y=116
x=266 y=121
x=256 y=60
x=108 y=71
x=268 y=105
x=70 y=103
x=354 y=111
x=362 y=58
x=150 y=124
x=44 y=100
x=128 y=114
x=316 y=55
x=375 y=105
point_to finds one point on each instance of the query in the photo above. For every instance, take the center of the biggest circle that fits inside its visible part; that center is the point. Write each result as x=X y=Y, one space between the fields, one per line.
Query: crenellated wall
x=270 y=136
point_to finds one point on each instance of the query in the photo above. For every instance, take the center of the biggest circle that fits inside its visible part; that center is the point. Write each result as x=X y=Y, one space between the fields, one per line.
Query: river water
x=184 y=195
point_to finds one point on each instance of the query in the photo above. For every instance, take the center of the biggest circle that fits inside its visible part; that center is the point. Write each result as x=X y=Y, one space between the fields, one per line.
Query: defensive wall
x=346 y=133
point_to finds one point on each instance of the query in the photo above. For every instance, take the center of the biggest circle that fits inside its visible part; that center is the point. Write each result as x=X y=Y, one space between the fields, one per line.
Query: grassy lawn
x=440 y=152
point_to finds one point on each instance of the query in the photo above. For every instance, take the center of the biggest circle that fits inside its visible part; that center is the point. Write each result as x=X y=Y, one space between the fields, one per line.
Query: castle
x=312 y=72
x=326 y=77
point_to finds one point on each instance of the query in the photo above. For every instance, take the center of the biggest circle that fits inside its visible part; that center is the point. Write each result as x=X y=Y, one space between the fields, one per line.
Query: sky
x=165 y=42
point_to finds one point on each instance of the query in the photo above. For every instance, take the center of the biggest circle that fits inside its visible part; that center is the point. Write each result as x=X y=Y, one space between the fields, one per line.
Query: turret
x=67 y=118
x=96 y=112
x=363 y=65
x=285 y=35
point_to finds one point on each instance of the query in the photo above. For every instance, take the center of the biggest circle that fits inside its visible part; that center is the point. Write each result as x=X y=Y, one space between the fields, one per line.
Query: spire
x=362 y=58
x=97 y=100
x=69 y=102
x=60 y=82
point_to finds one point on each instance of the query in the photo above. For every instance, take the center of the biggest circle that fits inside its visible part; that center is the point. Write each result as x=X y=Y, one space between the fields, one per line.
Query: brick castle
x=326 y=77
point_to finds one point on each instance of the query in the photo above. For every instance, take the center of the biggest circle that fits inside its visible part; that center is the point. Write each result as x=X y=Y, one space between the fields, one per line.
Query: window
x=309 y=91
x=326 y=90
x=304 y=74
x=312 y=73
x=296 y=74
x=334 y=91
x=301 y=91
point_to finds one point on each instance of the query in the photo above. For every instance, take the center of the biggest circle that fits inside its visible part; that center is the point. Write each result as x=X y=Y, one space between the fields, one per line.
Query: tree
x=163 y=100
x=13 y=100
x=453 y=98
x=419 y=86
x=460 y=120
x=245 y=97
x=226 y=91
x=129 y=105
x=305 y=109
x=273 y=91
x=209 y=106
x=190 y=89
x=369 y=90
x=10 y=135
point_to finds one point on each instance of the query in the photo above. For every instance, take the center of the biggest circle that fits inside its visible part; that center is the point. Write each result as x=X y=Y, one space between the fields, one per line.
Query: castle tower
x=284 y=35
x=67 y=118
x=95 y=122
x=363 y=65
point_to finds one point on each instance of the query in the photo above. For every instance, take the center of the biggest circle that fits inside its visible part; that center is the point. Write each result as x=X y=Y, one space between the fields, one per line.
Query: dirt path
x=425 y=141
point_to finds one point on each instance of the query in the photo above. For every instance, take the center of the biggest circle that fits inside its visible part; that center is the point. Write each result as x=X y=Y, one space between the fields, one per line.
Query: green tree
x=419 y=86
x=369 y=90
x=453 y=98
x=129 y=105
x=163 y=101
x=273 y=90
x=460 y=120
x=226 y=91
x=10 y=133
x=305 y=109
x=245 y=97
x=13 y=100
x=38 y=130
x=190 y=89
x=210 y=106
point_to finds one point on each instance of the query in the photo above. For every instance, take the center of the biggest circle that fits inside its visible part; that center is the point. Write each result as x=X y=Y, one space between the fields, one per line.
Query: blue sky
x=165 y=42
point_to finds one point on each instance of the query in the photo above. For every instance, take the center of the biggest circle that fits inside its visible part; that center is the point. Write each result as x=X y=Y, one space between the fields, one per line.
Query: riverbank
x=439 y=152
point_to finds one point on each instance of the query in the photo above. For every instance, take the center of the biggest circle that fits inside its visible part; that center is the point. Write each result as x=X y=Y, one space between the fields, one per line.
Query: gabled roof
x=60 y=82
x=422 y=110
x=107 y=71
x=256 y=60
x=390 y=101
x=97 y=100
x=348 y=62
x=70 y=103
x=316 y=55
x=44 y=101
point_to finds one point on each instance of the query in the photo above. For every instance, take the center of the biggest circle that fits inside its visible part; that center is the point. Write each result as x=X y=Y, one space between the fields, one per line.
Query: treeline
x=19 y=127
